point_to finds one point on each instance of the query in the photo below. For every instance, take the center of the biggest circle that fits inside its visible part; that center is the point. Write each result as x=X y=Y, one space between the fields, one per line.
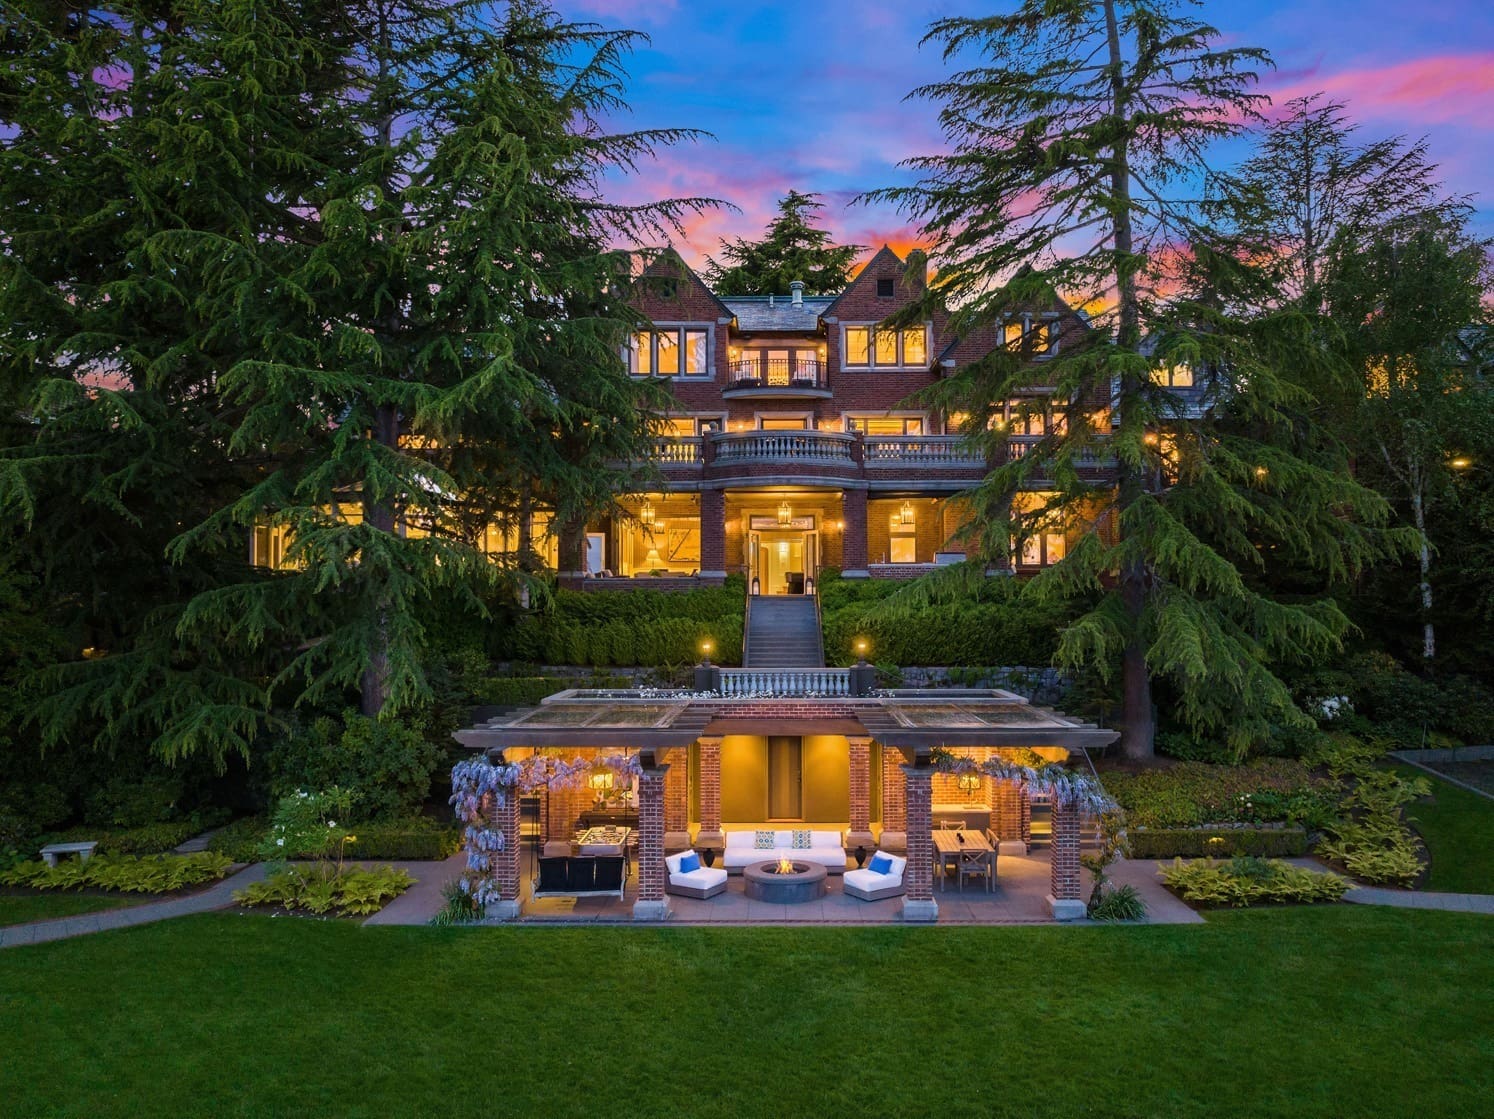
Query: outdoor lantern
x=785 y=514
x=863 y=646
x=646 y=514
x=809 y=584
x=906 y=513
x=705 y=650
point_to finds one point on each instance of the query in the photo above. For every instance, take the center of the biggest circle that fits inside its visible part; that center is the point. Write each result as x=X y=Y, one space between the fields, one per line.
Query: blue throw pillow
x=689 y=862
x=881 y=864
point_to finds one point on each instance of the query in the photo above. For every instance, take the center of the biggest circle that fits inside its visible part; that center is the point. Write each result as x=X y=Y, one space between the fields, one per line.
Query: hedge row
x=416 y=838
x=562 y=639
x=520 y=691
x=1197 y=843
x=966 y=633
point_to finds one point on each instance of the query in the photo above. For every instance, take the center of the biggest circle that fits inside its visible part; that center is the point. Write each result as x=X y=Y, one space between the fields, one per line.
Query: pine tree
x=1077 y=137
x=382 y=269
x=792 y=248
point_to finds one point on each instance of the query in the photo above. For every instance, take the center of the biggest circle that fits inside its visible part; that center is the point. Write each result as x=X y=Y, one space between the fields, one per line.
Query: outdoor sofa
x=748 y=846
x=696 y=882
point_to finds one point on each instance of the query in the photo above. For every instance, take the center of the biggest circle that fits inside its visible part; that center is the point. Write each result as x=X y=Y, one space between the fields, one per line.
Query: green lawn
x=1335 y=1010
x=1458 y=827
x=18 y=909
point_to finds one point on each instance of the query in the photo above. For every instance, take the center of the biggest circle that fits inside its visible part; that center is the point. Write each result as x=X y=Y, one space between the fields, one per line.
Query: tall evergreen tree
x=792 y=248
x=1077 y=141
x=375 y=238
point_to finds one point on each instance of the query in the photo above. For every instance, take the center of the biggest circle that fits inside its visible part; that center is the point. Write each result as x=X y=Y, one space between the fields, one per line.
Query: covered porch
x=881 y=771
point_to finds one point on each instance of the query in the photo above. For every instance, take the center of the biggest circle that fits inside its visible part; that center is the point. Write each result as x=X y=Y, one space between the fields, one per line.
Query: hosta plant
x=325 y=889
x=1249 y=881
x=148 y=874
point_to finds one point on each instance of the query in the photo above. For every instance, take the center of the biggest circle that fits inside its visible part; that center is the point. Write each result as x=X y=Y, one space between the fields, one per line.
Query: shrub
x=241 y=840
x=151 y=799
x=460 y=907
x=151 y=874
x=305 y=825
x=1118 y=903
x=385 y=765
x=1196 y=843
x=349 y=892
x=518 y=691
x=1185 y=747
x=417 y=837
x=151 y=839
x=1195 y=793
x=1249 y=881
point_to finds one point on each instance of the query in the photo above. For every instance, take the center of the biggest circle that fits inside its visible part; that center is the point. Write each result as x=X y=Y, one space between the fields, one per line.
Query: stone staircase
x=783 y=631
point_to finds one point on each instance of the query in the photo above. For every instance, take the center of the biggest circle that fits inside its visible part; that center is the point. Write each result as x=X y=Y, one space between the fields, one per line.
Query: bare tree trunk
x=378 y=513
x=1424 y=561
x=1138 y=726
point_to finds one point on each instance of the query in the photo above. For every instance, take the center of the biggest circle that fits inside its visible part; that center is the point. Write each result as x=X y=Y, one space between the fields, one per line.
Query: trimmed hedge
x=1192 y=794
x=519 y=691
x=152 y=839
x=1198 y=843
x=417 y=837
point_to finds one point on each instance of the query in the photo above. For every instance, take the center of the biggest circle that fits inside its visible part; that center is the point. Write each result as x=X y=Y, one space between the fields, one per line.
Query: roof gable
x=649 y=287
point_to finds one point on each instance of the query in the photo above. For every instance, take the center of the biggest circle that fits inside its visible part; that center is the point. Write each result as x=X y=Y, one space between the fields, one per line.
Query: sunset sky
x=810 y=95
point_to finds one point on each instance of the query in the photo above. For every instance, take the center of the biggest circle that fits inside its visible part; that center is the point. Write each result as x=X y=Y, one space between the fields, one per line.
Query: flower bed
x=1249 y=881
x=326 y=889
x=150 y=874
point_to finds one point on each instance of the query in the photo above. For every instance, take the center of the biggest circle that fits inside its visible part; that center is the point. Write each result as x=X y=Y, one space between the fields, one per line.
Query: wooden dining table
x=603 y=841
x=964 y=848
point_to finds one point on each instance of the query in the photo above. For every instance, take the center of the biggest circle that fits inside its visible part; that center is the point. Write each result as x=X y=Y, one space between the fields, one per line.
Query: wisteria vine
x=1073 y=790
x=479 y=781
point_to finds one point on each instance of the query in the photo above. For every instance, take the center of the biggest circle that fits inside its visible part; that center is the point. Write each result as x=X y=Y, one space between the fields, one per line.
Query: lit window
x=886 y=347
x=1178 y=376
x=668 y=363
x=1042 y=337
x=904 y=548
x=641 y=354
x=915 y=352
x=782 y=423
x=695 y=353
x=885 y=425
x=1011 y=335
x=858 y=345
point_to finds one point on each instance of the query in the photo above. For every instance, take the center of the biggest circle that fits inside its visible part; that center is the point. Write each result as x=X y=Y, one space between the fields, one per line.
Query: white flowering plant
x=310 y=825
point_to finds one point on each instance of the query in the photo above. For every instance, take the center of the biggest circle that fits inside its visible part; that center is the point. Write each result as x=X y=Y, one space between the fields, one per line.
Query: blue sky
x=810 y=96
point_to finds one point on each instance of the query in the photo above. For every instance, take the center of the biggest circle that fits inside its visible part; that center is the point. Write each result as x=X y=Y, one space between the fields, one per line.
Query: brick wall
x=713 y=530
x=860 y=814
x=1065 y=874
x=1006 y=809
x=919 y=875
x=677 y=793
x=651 y=867
x=710 y=784
x=928 y=524
x=505 y=819
x=894 y=792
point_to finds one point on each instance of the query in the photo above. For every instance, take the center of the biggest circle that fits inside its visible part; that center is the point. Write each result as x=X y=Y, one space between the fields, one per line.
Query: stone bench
x=83 y=850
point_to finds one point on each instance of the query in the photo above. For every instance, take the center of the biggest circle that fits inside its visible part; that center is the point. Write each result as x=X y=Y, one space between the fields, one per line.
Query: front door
x=781 y=561
x=785 y=778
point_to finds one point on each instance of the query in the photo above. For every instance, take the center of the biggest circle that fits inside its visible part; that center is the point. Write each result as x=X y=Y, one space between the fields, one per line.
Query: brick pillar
x=860 y=834
x=1006 y=815
x=853 y=542
x=918 y=877
x=1065 y=898
x=652 y=904
x=894 y=800
x=710 y=834
x=1025 y=804
x=677 y=802
x=713 y=534
x=503 y=814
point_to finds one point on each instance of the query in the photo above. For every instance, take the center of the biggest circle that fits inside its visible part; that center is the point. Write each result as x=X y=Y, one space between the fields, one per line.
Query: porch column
x=894 y=801
x=1006 y=815
x=918 y=877
x=860 y=834
x=652 y=904
x=853 y=540
x=502 y=811
x=710 y=834
x=1065 y=898
x=1024 y=803
x=712 y=534
x=677 y=802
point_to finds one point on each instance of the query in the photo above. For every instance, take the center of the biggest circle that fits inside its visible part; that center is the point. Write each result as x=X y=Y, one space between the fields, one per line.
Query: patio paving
x=1020 y=898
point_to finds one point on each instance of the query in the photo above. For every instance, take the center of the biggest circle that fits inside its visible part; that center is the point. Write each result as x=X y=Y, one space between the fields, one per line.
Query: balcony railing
x=1092 y=457
x=778 y=372
x=920 y=450
x=748 y=682
x=778 y=446
x=677 y=452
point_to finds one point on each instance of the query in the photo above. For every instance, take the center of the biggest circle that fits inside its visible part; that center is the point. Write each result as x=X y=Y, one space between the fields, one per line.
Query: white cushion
x=739 y=839
x=870 y=880
x=702 y=879
x=822 y=839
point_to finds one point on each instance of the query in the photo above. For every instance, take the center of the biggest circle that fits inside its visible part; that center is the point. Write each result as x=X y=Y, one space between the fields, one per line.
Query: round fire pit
x=766 y=882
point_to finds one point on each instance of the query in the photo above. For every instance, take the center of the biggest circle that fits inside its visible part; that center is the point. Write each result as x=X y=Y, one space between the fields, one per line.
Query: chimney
x=797 y=288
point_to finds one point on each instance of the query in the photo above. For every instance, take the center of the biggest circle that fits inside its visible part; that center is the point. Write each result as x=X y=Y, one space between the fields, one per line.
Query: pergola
x=915 y=728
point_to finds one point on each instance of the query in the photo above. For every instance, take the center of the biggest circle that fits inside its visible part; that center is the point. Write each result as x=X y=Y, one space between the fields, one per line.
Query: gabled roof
x=777 y=312
x=670 y=265
x=884 y=251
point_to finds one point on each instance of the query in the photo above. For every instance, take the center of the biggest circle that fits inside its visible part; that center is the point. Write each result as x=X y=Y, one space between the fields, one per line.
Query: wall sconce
x=601 y=784
x=968 y=783
x=785 y=514
x=646 y=513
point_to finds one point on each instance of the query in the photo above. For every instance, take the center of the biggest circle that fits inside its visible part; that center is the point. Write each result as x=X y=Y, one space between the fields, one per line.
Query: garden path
x=217 y=896
x=1412 y=899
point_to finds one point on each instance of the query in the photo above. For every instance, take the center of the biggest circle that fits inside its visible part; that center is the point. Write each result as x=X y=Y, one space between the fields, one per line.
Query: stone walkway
x=1412 y=899
x=217 y=896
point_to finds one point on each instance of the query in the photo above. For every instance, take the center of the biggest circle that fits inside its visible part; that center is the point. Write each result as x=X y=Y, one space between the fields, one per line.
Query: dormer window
x=868 y=347
x=886 y=287
x=1038 y=335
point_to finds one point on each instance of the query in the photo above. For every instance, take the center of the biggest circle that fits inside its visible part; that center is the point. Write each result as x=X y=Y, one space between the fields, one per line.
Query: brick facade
x=1065 y=873
x=860 y=785
x=504 y=818
x=1006 y=809
x=710 y=785
x=894 y=792
x=677 y=793
x=919 y=875
x=651 y=869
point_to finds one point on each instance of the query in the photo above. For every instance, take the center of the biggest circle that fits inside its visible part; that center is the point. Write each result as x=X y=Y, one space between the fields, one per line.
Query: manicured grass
x=18 y=909
x=1458 y=827
x=1334 y=1010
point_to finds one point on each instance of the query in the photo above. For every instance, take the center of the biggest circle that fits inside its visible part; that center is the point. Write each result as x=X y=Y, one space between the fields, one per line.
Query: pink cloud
x=1433 y=90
